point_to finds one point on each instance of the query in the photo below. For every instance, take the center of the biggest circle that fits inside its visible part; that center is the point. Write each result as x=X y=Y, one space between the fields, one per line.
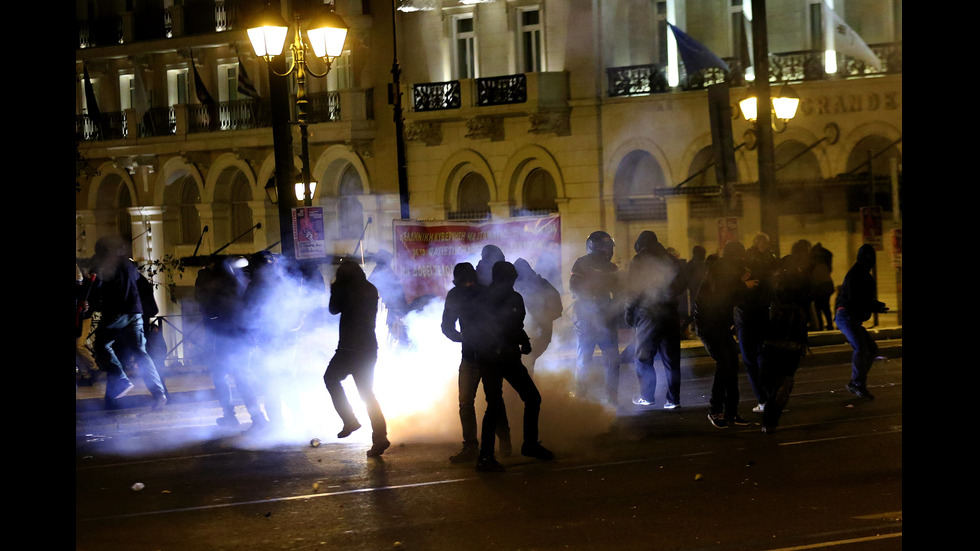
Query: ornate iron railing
x=636 y=80
x=324 y=106
x=433 y=96
x=501 y=90
x=107 y=126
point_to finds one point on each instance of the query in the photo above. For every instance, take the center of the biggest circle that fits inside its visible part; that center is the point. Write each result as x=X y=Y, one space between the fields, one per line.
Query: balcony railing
x=107 y=126
x=324 y=106
x=433 y=96
x=798 y=66
x=501 y=90
x=152 y=23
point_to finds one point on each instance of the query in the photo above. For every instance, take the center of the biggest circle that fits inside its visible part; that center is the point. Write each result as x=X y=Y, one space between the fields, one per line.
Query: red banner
x=427 y=251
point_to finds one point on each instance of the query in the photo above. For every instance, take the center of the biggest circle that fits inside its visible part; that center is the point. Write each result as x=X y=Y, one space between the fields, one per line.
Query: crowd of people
x=746 y=306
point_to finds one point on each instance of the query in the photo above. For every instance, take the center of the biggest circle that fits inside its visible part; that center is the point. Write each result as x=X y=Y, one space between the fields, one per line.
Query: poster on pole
x=871 y=227
x=427 y=251
x=308 y=233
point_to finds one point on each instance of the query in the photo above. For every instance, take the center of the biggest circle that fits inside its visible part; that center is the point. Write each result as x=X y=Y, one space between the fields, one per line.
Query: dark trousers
x=469 y=381
x=360 y=365
x=589 y=335
x=722 y=348
x=230 y=361
x=860 y=340
x=509 y=368
x=779 y=367
x=750 y=339
x=652 y=337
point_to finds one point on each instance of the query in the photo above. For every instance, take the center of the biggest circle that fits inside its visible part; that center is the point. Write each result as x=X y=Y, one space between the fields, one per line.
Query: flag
x=91 y=105
x=843 y=39
x=141 y=100
x=200 y=90
x=245 y=85
x=695 y=55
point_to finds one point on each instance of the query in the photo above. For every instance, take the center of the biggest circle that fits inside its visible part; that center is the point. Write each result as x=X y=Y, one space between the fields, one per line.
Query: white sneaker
x=759 y=408
x=640 y=401
x=671 y=405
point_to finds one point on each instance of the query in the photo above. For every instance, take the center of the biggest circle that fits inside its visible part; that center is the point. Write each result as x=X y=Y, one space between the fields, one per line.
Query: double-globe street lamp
x=325 y=35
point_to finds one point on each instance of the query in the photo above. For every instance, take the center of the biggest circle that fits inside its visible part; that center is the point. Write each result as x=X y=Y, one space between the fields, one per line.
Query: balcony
x=325 y=107
x=156 y=22
x=798 y=66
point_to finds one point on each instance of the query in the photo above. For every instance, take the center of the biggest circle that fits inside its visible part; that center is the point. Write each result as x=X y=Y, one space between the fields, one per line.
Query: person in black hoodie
x=356 y=300
x=499 y=342
x=723 y=287
x=656 y=282
x=115 y=291
x=460 y=305
x=856 y=302
x=544 y=306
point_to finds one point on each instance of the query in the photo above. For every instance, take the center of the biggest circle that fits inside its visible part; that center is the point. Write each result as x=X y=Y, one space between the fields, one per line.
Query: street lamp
x=783 y=106
x=326 y=35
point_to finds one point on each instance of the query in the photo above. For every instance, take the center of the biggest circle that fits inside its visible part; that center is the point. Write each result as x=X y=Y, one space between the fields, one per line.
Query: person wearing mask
x=856 y=302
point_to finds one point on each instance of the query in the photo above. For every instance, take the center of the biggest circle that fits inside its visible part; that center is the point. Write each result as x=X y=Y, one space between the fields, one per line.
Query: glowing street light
x=783 y=106
x=326 y=35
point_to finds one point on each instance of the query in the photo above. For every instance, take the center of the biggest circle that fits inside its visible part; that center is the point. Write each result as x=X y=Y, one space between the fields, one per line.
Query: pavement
x=193 y=386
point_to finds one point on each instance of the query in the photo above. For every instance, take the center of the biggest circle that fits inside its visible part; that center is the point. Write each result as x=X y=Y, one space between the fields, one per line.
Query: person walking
x=723 y=286
x=460 y=306
x=115 y=291
x=856 y=302
x=822 y=283
x=544 y=306
x=356 y=300
x=656 y=281
x=752 y=313
x=498 y=347
x=596 y=316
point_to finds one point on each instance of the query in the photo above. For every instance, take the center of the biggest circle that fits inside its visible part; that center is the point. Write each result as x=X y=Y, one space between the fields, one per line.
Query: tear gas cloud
x=415 y=381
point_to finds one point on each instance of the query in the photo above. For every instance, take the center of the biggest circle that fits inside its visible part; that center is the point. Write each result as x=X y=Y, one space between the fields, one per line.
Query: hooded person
x=656 y=281
x=500 y=341
x=544 y=306
x=489 y=255
x=356 y=300
x=856 y=302
x=596 y=313
x=115 y=290
x=460 y=306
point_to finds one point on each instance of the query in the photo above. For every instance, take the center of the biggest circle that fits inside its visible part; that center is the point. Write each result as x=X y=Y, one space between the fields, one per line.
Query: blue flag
x=245 y=85
x=695 y=55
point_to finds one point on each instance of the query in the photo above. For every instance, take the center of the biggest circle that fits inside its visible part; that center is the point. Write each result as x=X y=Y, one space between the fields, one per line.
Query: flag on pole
x=200 y=89
x=843 y=39
x=245 y=84
x=91 y=105
x=694 y=54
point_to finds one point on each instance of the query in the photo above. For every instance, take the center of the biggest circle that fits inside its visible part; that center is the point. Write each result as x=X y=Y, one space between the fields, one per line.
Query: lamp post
x=326 y=36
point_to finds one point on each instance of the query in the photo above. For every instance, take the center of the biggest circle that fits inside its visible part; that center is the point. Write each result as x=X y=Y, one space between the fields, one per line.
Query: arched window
x=473 y=198
x=540 y=192
x=702 y=173
x=350 y=212
x=190 y=219
x=881 y=151
x=638 y=175
x=798 y=179
x=124 y=222
x=241 y=213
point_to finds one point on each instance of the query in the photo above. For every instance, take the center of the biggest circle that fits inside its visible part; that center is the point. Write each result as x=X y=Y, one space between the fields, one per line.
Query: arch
x=614 y=161
x=221 y=174
x=178 y=185
x=456 y=167
x=522 y=163
x=329 y=169
x=638 y=174
x=849 y=142
x=172 y=170
x=350 y=211
x=106 y=172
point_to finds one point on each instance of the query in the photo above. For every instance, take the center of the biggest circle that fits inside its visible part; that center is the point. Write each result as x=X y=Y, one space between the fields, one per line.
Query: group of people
x=486 y=312
x=746 y=304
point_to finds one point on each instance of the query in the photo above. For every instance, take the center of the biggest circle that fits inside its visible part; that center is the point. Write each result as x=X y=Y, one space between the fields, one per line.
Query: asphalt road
x=831 y=476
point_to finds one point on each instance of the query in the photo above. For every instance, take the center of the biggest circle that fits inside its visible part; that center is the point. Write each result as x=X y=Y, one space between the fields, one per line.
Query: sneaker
x=227 y=421
x=861 y=391
x=489 y=465
x=348 y=429
x=768 y=430
x=759 y=408
x=718 y=420
x=379 y=448
x=641 y=401
x=537 y=451
x=738 y=421
x=671 y=405
x=469 y=453
x=126 y=387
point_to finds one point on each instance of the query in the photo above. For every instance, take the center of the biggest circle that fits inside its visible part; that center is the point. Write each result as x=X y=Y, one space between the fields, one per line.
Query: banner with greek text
x=427 y=251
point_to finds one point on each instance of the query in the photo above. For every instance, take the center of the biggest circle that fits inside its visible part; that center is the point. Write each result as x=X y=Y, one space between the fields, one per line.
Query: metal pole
x=769 y=217
x=396 y=101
